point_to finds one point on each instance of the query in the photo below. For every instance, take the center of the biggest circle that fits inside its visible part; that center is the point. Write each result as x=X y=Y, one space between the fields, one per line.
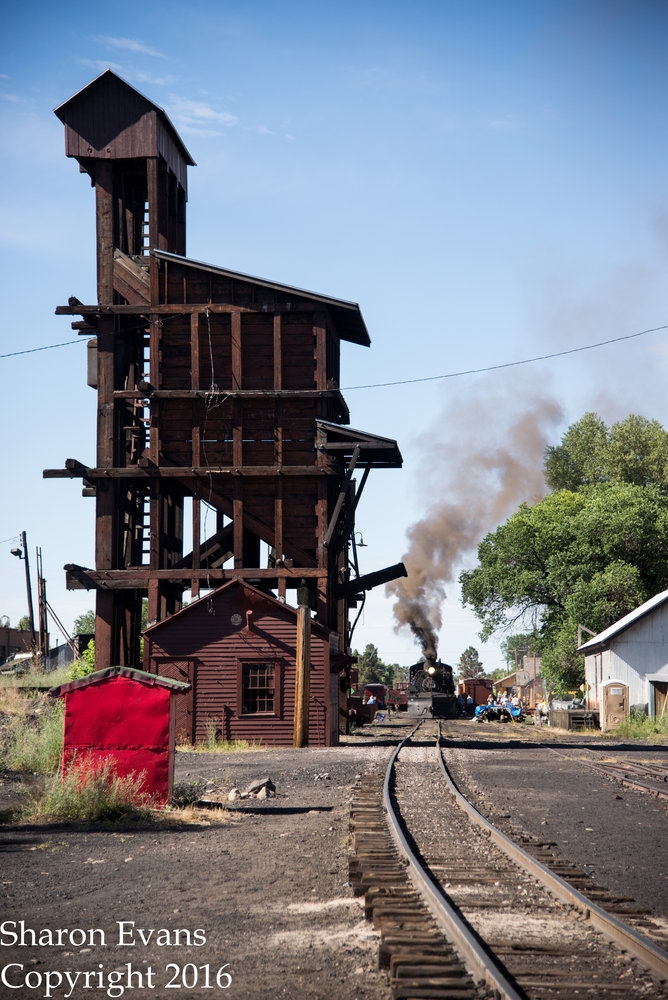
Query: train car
x=397 y=698
x=431 y=685
x=479 y=688
x=376 y=691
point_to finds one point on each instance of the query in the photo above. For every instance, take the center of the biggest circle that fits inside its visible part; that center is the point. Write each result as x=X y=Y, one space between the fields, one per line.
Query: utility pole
x=42 y=605
x=303 y=669
x=23 y=554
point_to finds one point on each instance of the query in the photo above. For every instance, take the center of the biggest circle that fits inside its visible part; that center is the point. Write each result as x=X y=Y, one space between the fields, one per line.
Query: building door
x=660 y=699
x=615 y=704
x=181 y=670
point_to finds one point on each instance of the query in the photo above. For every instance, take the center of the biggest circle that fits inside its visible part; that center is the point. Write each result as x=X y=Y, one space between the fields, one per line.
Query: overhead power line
x=430 y=378
x=506 y=364
x=49 y=347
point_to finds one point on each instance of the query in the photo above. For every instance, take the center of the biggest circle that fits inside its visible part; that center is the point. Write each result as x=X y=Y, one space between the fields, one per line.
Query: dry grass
x=89 y=792
x=213 y=743
x=31 y=738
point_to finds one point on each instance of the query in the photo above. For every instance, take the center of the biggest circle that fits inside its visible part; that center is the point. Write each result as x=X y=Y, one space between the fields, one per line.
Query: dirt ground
x=265 y=884
x=253 y=902
x=616 y=835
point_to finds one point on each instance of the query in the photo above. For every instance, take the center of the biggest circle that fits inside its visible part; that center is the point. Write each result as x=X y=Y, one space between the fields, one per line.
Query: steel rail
x=636 y=944
x=481 y=964
x=623 y=773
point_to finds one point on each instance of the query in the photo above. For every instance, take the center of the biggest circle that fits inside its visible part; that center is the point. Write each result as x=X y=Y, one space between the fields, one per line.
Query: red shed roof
x=99 y=676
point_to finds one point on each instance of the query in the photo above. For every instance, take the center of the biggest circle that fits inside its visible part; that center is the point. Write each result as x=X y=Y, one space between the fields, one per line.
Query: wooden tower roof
x=109 y=119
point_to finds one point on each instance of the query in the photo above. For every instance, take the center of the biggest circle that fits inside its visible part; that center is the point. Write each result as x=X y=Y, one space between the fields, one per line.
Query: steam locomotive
x=431 y=684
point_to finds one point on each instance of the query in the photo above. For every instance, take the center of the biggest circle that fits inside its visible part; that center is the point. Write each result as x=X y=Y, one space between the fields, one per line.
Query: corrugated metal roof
x=347 y=315
x=602 y=640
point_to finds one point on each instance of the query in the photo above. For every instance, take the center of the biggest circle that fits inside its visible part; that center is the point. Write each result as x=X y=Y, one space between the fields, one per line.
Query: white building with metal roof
x=626 y=665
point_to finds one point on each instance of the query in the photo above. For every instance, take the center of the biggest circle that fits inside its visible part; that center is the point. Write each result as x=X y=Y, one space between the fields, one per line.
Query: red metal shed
x=237 y=647
x=127 y=716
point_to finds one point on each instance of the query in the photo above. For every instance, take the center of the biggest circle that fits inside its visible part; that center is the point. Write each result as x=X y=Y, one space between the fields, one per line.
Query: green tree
x=84 y=624
x=372 y=670
x=634 y=450
x=584 y=557
x=24 y=623
x=85 y=665
x=469 y=663
x=580 y=458
x=514 y=647
x=638 y=452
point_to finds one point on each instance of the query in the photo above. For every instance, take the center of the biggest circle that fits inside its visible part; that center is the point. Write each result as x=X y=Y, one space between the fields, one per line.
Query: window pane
x=258 y=688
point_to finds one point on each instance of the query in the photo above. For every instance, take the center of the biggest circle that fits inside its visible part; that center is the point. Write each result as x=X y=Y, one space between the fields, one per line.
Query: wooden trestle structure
x=218 y=401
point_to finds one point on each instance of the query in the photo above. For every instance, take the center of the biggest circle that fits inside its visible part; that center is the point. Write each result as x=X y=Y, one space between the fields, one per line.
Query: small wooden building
x=125 y=716
x=237 y=649
x=626 y=665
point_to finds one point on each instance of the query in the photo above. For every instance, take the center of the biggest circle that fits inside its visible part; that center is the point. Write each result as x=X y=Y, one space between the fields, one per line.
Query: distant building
x=14 y=640
x=626 y=665
x=236 y=648
x=529 y=681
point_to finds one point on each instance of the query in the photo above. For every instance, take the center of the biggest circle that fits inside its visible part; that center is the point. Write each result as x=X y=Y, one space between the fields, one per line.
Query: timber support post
x=302 y=676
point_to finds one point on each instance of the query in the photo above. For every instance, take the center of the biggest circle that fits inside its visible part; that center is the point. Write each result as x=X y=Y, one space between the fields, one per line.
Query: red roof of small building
x=100 y=676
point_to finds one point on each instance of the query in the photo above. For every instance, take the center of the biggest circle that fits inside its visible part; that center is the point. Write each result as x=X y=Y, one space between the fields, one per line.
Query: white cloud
x=137 y=76
x=129 y=45
x=198 y=117
x=156 y=81
x=99 y=65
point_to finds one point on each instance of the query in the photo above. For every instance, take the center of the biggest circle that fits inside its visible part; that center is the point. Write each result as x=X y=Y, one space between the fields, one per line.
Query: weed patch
x=213 y=743
x=32 y=740
x=641 y=726
x=89 y=794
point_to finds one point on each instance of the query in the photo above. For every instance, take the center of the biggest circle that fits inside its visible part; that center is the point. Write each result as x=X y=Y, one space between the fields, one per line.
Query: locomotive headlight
x=431 y=670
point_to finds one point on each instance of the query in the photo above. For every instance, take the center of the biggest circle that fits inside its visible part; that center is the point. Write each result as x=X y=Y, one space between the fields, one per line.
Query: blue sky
x=488 y=181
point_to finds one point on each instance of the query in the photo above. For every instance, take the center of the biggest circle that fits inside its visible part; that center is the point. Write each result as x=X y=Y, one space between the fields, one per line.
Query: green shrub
x=90 y=792
x=640 y=726
x=34 y=742
x=84 y=666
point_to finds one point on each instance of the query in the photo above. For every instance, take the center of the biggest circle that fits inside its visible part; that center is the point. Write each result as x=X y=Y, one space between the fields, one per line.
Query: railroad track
x=463 y=912
x=645 y=776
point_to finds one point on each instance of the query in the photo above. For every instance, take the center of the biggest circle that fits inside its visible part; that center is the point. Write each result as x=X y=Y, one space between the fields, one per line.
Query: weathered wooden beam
x=370 y=580
x=203 y=472
x=225 y=506
x=104 y=212
x=130 y=280
x=178 y=308
x=302 y=677
x=215 y=548
x=345 y=485
x=139 y=578
x=220 y=395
